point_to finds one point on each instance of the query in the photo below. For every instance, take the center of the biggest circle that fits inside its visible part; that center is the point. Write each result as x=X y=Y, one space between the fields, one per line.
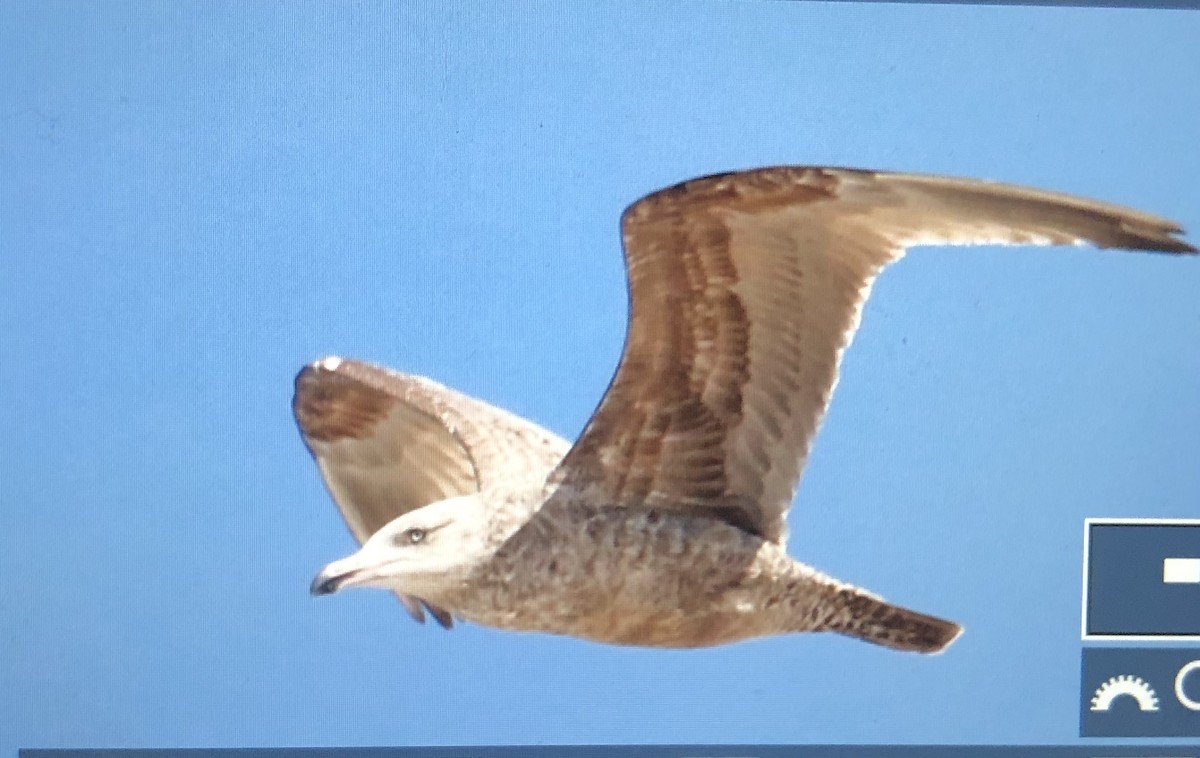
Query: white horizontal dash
x=1181 y=570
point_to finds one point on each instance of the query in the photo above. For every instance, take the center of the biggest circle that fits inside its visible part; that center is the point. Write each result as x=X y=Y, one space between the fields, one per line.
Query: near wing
x=744 y=290
x=387 y=443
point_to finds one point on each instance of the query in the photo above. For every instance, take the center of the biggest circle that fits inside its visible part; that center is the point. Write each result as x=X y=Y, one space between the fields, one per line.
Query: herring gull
x=664 y=525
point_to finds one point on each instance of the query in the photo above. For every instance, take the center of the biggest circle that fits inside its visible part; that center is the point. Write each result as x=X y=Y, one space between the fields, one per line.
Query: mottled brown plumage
x=664 y=524
x=387 y=443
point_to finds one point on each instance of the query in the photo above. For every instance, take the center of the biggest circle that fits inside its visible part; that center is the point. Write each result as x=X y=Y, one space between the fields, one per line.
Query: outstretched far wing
x=387 y=443
x=745 y=288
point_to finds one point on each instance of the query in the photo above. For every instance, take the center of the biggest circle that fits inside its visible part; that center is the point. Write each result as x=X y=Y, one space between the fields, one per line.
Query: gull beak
x=347 y=572
x=324 y=584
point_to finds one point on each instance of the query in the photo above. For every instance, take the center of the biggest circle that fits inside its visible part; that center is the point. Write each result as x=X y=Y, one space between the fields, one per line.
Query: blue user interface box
x=1142 y=579
x=1140 y=692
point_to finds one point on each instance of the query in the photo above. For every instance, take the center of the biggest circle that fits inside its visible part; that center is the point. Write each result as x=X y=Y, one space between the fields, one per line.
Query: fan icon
x=1125 y=684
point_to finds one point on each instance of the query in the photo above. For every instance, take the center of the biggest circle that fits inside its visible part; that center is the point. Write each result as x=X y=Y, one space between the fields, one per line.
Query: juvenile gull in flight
x=664 y=525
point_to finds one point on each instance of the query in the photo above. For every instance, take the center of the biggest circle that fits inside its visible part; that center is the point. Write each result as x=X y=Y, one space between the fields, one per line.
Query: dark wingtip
x=443 y=617
x=1172 y=245
x=1164 y=238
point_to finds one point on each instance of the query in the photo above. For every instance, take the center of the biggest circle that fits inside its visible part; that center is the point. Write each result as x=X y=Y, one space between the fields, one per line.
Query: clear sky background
x=197 y=198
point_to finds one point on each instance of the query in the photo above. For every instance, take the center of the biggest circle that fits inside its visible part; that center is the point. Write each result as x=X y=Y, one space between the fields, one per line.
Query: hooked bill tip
x=324 y=585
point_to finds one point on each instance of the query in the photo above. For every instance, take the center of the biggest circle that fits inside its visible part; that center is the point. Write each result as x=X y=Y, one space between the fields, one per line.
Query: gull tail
x=870 y=618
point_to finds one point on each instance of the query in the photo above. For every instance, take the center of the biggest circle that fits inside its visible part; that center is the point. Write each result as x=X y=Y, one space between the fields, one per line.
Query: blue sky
x=197 y=198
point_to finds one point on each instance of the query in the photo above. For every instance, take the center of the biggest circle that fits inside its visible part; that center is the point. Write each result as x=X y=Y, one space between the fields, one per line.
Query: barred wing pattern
x=387 y=443
x=745 y=289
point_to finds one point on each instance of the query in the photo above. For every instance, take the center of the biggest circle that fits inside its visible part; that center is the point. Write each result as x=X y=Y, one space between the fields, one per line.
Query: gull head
x=422 y=553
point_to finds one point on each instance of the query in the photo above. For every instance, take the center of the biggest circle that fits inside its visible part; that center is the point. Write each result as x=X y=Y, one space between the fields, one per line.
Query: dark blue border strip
x=653 y=751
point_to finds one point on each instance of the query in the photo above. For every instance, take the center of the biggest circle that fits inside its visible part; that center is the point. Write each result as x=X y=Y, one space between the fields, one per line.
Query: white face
x=420 y=553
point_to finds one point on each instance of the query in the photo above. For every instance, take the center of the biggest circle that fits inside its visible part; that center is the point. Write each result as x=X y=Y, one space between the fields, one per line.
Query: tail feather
x=874 y=620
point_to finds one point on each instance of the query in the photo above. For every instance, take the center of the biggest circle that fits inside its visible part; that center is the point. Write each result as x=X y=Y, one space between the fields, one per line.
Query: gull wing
x=745 y=289
x=387 y=443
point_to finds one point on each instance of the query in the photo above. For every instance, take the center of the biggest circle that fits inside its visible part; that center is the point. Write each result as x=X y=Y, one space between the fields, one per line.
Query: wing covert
x=387 y=443
x=745 y=289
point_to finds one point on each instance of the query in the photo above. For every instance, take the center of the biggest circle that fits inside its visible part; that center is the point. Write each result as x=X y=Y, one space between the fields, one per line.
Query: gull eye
x=413 y=536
